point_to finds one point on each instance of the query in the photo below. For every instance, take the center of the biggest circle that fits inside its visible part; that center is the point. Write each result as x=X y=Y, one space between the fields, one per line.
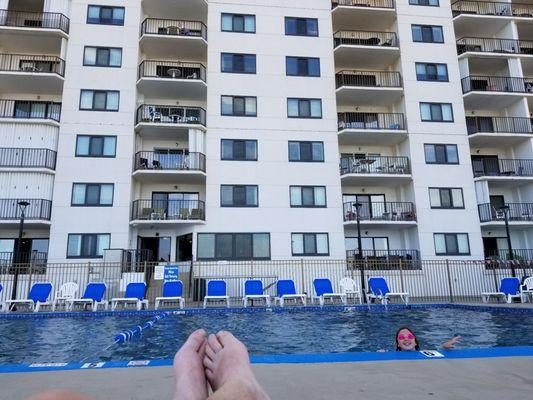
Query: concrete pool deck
x=487 y=379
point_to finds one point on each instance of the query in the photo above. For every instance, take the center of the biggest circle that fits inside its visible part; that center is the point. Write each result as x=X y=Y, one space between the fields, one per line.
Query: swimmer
x=406 y=340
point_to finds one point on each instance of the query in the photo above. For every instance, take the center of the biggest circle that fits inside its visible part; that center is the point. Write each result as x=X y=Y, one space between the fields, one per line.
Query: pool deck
x=487 y=378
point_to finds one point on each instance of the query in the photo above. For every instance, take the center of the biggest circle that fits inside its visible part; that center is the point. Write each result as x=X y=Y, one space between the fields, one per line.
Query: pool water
x=28 y=340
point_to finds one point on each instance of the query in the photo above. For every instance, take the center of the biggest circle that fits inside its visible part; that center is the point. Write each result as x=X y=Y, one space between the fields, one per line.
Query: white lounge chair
x=324 y=291
x=350 y=289
x=509 y=290
x=135 y=292
x=287 y=291
x=93 y=297
x=527 y=290
x=37 y=298
x=67 y=291
x=379 y=290
x=172 y=292
x=216 y=291
x=253 y=290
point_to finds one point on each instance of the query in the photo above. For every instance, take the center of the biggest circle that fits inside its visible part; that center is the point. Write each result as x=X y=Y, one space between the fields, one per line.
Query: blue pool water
x=68 y=339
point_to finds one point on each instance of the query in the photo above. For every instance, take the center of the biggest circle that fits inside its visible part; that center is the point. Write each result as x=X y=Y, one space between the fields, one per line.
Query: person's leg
x=58 y=395
x=189 y=370
x=228 y=370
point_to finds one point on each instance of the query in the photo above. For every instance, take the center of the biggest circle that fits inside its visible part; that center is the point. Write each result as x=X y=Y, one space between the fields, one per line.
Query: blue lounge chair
x=253 y=290
x=135 y=292
x=509 y=290
x=324 y=291
x=38 y=297
x=93 y=296
x=172 y=292
x=379 y=290
x=216 y=291
x=287 y=291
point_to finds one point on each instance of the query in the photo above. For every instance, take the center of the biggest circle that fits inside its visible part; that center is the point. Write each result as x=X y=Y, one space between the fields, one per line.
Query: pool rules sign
x=168 y=273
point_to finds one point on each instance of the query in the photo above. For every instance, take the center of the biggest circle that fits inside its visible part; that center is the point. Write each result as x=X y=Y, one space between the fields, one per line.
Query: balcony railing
x=368 y=79
x=171 y=70
x=506 y=84
x=518 y=254
x=37 y=209
x=517 y=212
x=492 y=8
x=499 y=125
x=171 y=27
x=168 y=210
x=25 y=257
x=362 y=38
x=35 y=64
x=28 y=19
x=26 y=109
x=169 y=160
x=377 y=211
x=170 y=114
x=494 y=45
x=27 y=158
x=361 y=3
x=375 y=165
x=502 y=167
x=384 y=254
x=361 y=120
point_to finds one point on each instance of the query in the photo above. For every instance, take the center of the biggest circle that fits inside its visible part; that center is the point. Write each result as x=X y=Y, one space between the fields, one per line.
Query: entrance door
x=158 y=246
x=184 y=248
x=496 y=203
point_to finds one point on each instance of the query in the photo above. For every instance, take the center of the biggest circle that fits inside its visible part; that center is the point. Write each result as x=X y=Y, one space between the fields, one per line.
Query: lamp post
x=505 y=210
x=22 y=205
x=358 y=206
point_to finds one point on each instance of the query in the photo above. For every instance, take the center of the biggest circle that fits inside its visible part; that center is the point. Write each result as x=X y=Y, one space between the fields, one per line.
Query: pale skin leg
x=189 y=370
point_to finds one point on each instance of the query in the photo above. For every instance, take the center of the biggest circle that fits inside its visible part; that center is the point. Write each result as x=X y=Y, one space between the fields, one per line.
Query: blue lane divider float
x=129 y=334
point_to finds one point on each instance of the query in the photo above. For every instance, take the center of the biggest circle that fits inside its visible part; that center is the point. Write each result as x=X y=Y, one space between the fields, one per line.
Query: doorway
x=184 y=248
x=485 y=165
x=158 y=246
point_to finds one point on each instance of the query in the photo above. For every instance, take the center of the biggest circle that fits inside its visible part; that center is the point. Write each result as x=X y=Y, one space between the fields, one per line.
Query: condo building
x=165 y=130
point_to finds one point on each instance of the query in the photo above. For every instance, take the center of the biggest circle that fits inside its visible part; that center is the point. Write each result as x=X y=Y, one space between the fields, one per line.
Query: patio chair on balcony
x=158 y=213
x=194 y=75
x=196 y=213
x=184 y=213
x=509 y=290
x=156 y=164
x=154 y=115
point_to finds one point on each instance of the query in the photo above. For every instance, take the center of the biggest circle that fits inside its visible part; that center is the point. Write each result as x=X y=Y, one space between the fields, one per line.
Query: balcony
x=391 y=255
x=28 y=111
x=366 y=128
x=164 y=79
x=25 y=257
x=388 y=214
x=376 y=13
x=506 y=172
x=169 y=121
x=494 y=47
x=23 y=158
x=169 y=166
x=374 y=171
x=518 y=214
x=168 y=38
x=37 y=212
x=492 y=9
x=494 y=92
x=373 y=88
x=518 y=254
x=498 y=131
x=167 y=212
x=33 y=74
x=368 y=50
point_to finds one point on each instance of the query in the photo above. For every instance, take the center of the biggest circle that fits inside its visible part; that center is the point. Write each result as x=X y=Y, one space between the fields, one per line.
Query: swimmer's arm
x=451 y=343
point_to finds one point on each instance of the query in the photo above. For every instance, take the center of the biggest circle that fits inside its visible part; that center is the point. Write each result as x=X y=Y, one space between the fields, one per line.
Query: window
x=303 y=66
x=431 y=72
x=238 y=63
x=306 y=151
x=301 y=26
x=376 y=246
x=233 y=246
x=238 y=23
x=102 y=57
x=238 y=196
x=105 y=15
x=96 y=146
x=441 y=154
x=85 y=245
x=436 y=112
x=446 y=198
x=99 y=100
x=92 y=194
x=451 y=244
x=304 y=108
x=308 y=196
x=432 y=3
x=239 y=150
x=239 y=106
x=310 y=244
x=427 y=33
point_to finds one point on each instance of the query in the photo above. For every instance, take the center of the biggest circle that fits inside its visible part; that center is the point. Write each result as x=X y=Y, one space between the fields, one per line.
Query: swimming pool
x=73 y=339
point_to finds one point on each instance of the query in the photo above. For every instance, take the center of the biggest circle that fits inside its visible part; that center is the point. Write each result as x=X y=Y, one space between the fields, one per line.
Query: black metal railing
x=171 y=70
x=380 y=211
x=152 y=113
x=39 y=209
x=492 y=8
x=517 y=212
x=506 y=84
x=169 y=160
x=35 y=64
x=28 y=19
x=361 y=3
x=27 y=158
x=494 y=45
x=27 y=109
x=365 y=120
x=368 y=79
x=384 y=254
x=168 y=210
x=375 y=165
x=364 y=38
x=499 y=125
x=24 y=257
x=172 y=27
x=502 y=167
x=518 y=254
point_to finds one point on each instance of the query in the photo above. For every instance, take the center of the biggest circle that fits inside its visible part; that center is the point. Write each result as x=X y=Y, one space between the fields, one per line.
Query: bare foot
x=189 y=370
x=227 y=364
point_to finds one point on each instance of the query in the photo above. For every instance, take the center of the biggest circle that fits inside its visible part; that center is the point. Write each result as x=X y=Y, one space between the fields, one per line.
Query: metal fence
x=375 y=165
x=169 y=160
x=168 y=210
x=163 y=114
x=36 y=64
x=499 y=125
x=39 y=209
x=28 y=19
x=27 y=158
x=492 y=8
x=497 y=84
x=425 y=281
x=502 y=167
x=517 y=212
x=362 y=120
x=172 y=70
x=388 y=79
x=172 y=27
x=494 y=45
x=366 y=3
x=365 y=38
x=380 y=211
x=27 y=109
